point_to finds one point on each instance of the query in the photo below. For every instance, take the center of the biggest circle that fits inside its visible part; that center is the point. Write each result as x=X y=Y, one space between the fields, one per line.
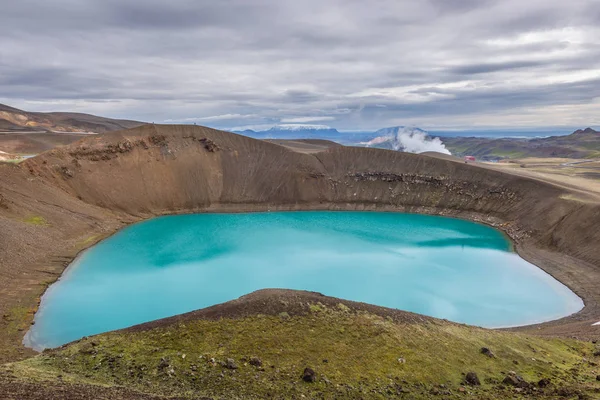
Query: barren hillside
x=15 y=120
x=64 y=200
x=583 y=143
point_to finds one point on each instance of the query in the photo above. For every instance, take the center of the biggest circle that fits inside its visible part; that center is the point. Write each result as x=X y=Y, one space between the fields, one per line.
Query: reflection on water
x=437 y=266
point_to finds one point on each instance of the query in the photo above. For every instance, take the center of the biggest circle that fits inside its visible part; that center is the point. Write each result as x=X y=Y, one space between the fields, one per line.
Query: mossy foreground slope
x=355 y=351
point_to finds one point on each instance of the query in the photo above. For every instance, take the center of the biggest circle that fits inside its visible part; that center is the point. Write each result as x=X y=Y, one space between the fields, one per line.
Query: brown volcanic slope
x=35 y=142
x=15 y=120
x=56 y=204
x=23 y=132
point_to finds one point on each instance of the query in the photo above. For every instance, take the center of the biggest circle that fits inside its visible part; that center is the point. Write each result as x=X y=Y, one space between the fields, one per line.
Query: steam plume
x=408 y=139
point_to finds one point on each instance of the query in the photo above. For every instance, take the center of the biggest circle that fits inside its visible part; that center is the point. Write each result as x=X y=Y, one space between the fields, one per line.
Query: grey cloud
x=491 y=100
x=492 y=67
x=57 y=82
x=128 y=14
x=156 y=60
x=300 y=96
x=531 y=20
x=459 y=6
x=181 y=15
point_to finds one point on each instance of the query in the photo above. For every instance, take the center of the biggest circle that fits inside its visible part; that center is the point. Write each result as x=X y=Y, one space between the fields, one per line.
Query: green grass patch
x=36 y=220
x=14 y=322
x=87 y=241
x=17 y=319
x=354 y=355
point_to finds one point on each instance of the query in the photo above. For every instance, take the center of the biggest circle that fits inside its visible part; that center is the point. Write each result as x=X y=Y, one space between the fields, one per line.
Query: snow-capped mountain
x=293 y=131
x=300 y=127
x=399 y=138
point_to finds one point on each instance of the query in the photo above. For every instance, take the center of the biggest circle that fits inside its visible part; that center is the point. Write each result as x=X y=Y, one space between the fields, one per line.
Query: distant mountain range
x=23 y=132
x=292 y=131
x=400 y=138
x=15 y=120
x=583 y=143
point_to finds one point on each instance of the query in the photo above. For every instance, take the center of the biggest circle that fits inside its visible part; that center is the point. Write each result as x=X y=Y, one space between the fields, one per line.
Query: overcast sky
x=349 y=64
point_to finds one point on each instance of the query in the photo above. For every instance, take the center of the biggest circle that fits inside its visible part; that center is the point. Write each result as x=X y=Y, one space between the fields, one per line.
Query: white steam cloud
x=408 y=139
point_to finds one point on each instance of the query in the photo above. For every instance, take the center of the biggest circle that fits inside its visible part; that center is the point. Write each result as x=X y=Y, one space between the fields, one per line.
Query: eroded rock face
x=210 y=145
x=66 y=172
x=390 y=177
x=106 y=151
x=447 y=183
x=158 y=139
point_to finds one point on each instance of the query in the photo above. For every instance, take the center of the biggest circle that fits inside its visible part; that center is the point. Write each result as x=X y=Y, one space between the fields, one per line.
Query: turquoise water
x=437 y=266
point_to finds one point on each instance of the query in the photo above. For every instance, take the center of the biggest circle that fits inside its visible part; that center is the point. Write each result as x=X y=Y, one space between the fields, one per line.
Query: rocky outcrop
x=472 y=379
x=255 y=361
x=512 y=379
x=487 y=352
x=309 y=375
x=230 y=364
x=209 y=145
x=101 y=151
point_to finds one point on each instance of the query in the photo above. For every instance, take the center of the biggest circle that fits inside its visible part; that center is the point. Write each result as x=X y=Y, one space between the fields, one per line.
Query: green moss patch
x=14 y=322
x=36 y=220
x=354 y=355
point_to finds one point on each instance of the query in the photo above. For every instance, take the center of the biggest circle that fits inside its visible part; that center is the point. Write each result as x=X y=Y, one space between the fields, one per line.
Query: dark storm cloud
x=492 y=67
x=459 y=6
x=355 y=64
x=300 y=96
x=130 y=15
x=529 y=20
x=58 y=83
x=479 y=102
x=155 y=14
x=35 y=76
